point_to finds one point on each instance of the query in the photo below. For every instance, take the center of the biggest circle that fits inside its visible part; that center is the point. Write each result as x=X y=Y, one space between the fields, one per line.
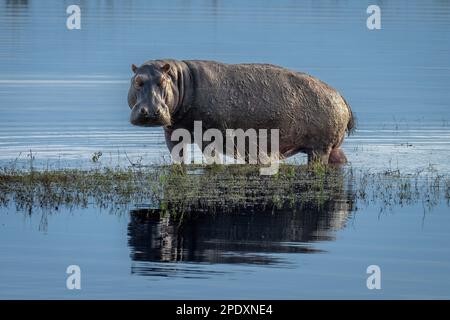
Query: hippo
x=311 y=116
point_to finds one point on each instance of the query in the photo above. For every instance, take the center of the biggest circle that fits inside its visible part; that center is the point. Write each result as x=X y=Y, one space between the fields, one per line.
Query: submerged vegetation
x=179 y=189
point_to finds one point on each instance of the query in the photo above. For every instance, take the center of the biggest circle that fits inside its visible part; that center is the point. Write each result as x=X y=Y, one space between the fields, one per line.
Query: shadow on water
x=162 y=244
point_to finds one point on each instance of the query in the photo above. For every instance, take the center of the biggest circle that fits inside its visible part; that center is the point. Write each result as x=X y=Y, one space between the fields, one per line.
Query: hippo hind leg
x=337 y=157
x=319 y=155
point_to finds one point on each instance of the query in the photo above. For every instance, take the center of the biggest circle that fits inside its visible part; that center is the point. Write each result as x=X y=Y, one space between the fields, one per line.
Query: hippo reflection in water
x=311 y=117
x=242 y=236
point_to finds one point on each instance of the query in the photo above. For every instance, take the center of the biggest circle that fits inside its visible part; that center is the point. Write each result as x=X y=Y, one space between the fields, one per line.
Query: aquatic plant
x=178 y=189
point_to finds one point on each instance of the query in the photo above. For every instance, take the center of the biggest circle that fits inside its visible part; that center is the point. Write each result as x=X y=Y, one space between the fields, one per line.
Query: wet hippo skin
x=311 y=116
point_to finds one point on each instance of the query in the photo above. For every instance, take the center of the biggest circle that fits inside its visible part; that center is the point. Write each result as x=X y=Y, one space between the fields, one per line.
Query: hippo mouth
x=143 y=122
x=160 y=118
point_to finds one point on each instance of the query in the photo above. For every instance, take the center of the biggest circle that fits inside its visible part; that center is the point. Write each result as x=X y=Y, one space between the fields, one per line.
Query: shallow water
x=63 y=96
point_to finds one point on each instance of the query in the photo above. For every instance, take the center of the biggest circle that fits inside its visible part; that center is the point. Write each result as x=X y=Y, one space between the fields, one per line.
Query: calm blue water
x=63 y=96
x=308 y=255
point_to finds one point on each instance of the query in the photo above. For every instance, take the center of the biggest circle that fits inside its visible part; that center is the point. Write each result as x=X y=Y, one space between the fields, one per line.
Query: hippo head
x=151 y=95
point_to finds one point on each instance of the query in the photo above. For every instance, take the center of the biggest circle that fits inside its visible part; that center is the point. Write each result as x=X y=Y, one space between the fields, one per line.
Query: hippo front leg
x=168 y=134
x=211 y=152
x=181 y=152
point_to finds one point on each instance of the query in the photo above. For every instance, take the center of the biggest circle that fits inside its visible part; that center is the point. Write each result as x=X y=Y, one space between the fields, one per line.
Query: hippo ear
x=133 y=68
x=166 y=68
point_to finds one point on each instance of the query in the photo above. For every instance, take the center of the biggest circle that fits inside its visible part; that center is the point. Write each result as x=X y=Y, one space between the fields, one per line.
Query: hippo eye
x=138 y=82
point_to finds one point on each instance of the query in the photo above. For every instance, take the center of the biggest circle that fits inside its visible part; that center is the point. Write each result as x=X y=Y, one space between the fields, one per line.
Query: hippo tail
x=351 y=125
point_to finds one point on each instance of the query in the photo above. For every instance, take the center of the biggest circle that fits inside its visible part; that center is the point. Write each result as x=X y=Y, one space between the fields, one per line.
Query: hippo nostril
x=144 y=111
